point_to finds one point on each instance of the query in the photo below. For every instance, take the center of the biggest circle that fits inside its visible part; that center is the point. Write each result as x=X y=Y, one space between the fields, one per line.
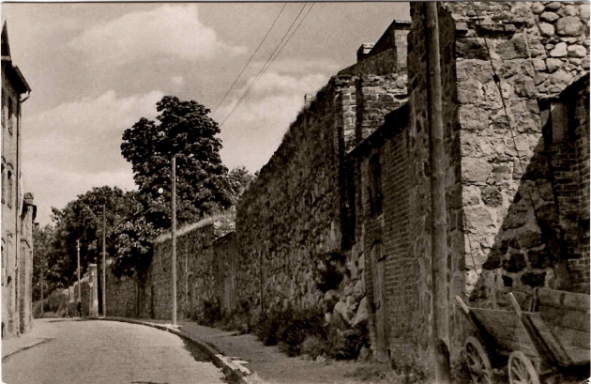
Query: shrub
x=211 y=312
x=313 y=346
x=53 y=304
x=346 y=343
x=290 y=328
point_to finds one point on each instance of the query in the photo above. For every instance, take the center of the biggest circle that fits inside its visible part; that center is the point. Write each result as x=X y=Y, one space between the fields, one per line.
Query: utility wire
x=268 y=64
x=270 y=60
x=249 y=60
x=264 y=67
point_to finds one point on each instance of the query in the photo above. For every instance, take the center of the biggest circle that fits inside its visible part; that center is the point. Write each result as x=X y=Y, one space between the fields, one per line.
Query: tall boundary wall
x=340 y=217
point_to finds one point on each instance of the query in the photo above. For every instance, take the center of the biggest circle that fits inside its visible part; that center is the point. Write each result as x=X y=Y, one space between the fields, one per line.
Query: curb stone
x=43 y=341
x=231 y=371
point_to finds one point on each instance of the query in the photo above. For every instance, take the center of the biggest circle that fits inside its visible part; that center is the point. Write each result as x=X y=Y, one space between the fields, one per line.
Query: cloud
x=301 y=66
x=71 y=148
x=255 y=130
x=177 y=80
x=167 y=31
x=61 y=187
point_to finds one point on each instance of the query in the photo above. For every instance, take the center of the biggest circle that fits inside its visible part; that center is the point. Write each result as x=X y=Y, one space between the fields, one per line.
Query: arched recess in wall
x=3 y=183
x=378 y=301
x=3 y=255
x=375 y=185
x=9 y=186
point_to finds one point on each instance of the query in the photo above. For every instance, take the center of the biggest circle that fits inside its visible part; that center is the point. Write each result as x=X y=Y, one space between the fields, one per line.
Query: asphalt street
x=92 y=352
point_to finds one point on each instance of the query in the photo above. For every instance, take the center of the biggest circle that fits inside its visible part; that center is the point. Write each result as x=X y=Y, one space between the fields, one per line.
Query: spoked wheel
x=478 y=362
x=521 y=369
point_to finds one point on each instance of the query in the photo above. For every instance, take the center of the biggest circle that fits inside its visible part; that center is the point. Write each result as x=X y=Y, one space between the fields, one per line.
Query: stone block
x=561 y=78
x=547 y=29
x=515 y=263
x=570 y=10
x=584 y=12
x=534 y=279
x=577 y=51
x=553 y=64
x=516 y=48
x=480 y=220
x=472 y=118
x=539 y=259
x=569 y=26
x=471 y=48
x=361 y=314
x=560 y=50
x=529 y=239
x=537 y=8
x=549 y=17
x=470 y=92
x=471 y=195
x=475 y=170
x=492 y=196
x=553 y=6
x=539 y=65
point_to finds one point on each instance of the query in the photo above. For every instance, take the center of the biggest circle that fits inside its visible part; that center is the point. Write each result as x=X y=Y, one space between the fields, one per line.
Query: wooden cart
x=545 y=334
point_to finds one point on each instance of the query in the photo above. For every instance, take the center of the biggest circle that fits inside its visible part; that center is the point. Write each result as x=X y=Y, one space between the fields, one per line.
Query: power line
x=249 y=60
x=270 y=60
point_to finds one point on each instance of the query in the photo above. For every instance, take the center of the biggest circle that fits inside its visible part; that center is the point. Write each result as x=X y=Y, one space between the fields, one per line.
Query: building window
x=3 y=265
x=3 y=110
x=10 y=112
x=375 y=186
x=9 y=182
x=3 y=186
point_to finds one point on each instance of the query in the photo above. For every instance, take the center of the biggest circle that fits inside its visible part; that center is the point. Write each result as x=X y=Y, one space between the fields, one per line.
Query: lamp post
x=173 y=231
x=173 y=240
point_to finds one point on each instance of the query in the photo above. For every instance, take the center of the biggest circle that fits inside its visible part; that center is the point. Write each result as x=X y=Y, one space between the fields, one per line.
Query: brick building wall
x=18 y=211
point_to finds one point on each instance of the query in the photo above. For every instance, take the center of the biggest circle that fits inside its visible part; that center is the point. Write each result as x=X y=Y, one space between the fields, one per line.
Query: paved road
x=92 y=352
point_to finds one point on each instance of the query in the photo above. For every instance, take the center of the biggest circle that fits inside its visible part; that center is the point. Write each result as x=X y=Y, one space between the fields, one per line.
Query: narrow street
x=85 y=352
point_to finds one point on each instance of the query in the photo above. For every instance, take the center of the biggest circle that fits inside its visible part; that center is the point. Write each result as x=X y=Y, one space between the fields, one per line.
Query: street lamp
x=173 y=230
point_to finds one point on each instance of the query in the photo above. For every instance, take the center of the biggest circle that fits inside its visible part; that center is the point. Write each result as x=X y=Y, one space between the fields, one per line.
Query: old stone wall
x=148 y=295
x=123 y=295
x=291 y=213
x=225 y=266
x=508 y=55
x=340 y=217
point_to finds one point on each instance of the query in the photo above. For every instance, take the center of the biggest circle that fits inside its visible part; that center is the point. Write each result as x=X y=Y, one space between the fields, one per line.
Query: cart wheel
x=478 y=362
x=521 y=370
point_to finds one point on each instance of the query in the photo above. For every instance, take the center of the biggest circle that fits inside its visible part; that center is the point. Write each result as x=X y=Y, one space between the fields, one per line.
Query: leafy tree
x=134 y=239
x=240 y=179
x=81 y=220
x=185 y=130
x=42 y=239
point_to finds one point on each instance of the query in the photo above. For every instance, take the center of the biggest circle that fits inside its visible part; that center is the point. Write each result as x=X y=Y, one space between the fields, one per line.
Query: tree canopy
x=185 y=130
x=134 y=219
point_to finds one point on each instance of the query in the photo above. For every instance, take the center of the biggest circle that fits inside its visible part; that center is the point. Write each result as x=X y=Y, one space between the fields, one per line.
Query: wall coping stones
x=191 y=227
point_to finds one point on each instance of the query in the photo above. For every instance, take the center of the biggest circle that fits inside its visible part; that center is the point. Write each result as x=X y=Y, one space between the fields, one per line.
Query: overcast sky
x=95 y=69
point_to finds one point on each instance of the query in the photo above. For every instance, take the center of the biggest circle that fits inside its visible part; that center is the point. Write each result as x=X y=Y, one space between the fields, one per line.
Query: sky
x=96 y=68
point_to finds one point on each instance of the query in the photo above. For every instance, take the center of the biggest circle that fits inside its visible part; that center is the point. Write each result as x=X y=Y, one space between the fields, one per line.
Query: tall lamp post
x=173 y=240
x=173 y=231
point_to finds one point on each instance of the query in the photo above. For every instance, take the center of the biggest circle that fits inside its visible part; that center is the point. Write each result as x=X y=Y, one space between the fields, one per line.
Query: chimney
x=364 y=51
x=401 y=42
x=29 y=198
